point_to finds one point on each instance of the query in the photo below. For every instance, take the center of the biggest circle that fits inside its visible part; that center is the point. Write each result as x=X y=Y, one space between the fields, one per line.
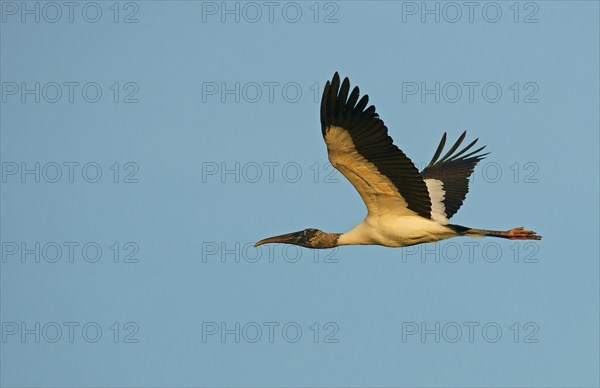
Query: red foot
x=521 y=234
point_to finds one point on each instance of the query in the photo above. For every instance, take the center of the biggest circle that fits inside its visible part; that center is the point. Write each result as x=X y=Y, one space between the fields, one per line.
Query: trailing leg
x=514 y=234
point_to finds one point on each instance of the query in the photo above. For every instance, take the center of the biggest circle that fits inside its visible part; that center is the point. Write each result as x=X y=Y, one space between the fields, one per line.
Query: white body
x=395 y=231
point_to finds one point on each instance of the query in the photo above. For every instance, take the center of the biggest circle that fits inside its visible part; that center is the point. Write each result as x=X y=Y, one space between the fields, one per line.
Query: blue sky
x=146 y=146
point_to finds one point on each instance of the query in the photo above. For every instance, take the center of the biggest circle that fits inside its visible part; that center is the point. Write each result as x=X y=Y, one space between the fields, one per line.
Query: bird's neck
x=325 y=240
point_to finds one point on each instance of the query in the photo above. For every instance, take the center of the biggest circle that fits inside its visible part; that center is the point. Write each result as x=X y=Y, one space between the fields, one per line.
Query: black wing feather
x=453 y=170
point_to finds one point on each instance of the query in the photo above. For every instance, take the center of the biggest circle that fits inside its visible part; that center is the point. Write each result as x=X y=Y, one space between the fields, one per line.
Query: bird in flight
x=404 y=206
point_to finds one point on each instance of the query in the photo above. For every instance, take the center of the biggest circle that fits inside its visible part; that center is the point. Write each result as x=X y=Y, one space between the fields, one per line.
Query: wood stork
x=405 y=206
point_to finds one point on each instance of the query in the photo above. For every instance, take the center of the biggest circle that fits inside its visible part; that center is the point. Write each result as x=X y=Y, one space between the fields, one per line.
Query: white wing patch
x=436 y=195
x=376 y=190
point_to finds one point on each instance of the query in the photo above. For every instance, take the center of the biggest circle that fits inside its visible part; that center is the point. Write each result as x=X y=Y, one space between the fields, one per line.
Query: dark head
x=309 y=238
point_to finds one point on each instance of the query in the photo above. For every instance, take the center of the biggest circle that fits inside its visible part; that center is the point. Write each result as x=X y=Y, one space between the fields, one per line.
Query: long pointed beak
x=289 y=238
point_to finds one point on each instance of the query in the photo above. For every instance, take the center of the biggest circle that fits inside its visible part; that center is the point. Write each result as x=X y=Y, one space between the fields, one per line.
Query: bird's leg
x=514 y=234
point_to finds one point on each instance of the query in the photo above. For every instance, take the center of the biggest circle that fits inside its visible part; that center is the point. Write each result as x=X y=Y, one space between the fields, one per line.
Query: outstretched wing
x=447 y=178
x=360 y=148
